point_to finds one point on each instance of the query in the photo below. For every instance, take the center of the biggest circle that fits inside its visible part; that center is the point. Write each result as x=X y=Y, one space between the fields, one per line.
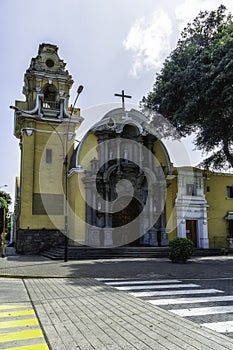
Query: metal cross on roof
x=123 y=96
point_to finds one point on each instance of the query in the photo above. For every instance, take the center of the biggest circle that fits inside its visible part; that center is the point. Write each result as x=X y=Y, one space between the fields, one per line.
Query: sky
x=108 y=45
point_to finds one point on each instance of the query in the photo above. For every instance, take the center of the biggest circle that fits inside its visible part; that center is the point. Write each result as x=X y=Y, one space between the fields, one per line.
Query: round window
x=49 y=63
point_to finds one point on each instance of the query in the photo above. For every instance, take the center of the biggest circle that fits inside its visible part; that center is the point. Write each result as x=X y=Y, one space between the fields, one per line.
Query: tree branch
x=226 y=150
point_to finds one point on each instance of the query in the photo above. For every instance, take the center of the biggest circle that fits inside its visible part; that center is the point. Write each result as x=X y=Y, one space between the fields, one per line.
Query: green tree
x=5 y=202
x=194 y=89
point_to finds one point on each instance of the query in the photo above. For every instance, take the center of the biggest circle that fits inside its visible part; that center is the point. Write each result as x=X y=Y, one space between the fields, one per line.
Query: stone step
x=81 y=253
x=84 y=253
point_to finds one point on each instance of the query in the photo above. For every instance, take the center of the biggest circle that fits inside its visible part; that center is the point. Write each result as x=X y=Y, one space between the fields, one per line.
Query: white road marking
x=201 y=311
x=220 y=327
x=122 y=283
x=137 y=285
x=175 y=292
x=190 y=300
x=109 y=279
x=161 y=286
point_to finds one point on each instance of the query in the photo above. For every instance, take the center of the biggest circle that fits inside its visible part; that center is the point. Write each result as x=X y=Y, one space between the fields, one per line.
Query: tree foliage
x=6 y=196
x=194 y=89
x=5 y=202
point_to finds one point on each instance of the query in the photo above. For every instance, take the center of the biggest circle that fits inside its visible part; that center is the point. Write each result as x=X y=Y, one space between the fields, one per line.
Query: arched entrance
x=126 y=211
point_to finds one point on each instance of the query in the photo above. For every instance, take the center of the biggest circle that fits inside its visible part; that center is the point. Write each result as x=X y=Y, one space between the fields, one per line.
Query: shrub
x=180 y=249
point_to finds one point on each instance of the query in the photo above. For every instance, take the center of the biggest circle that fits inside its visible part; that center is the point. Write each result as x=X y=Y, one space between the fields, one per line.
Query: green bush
x=180 y=249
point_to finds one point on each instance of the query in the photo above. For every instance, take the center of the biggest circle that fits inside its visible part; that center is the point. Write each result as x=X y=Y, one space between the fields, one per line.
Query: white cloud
x=149 y=41
x=189 y=9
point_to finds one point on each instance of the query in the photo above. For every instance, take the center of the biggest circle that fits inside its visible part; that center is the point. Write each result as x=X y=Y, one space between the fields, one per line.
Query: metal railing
x=51 y=104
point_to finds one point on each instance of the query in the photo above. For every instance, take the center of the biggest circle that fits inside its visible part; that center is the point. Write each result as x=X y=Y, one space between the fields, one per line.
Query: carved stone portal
x=121 y=193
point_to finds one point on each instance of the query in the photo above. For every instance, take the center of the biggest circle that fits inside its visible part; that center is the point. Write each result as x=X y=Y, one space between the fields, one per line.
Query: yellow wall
x=160 y=154
x=219 y=205
x=77 y=210
x=88 y=151
x=171 y=219
x=37 y=176
x=77 y=201
x=26 y=181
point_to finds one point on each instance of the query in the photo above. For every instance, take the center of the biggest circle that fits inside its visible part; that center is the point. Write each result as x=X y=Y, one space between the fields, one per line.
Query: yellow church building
x=116 y=187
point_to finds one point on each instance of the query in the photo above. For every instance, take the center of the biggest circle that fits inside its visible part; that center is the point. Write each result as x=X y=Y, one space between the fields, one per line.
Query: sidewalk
x=85 y=314
x=82 y=313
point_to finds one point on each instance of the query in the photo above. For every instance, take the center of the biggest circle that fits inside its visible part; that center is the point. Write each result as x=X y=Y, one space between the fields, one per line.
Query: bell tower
x=45 y=125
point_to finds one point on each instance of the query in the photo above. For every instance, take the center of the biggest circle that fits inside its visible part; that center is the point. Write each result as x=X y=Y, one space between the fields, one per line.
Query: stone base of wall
x=36 y=241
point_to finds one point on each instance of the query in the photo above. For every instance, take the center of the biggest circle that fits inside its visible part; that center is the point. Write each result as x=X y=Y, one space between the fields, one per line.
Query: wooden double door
x=126 y=214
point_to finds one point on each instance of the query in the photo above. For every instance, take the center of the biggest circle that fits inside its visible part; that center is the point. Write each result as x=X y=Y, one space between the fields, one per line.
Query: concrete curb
x=37 y=276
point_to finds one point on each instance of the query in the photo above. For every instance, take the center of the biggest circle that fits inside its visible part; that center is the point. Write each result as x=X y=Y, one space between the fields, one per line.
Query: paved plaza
x=72 y=307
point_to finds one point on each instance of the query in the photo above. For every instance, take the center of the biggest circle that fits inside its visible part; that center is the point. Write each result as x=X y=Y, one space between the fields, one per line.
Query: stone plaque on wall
x=47 y=204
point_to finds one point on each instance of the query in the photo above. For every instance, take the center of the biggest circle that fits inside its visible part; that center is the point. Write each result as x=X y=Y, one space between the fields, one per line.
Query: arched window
x=50 y=97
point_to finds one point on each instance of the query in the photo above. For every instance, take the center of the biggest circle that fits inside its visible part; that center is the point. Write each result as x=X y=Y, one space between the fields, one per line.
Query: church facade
x=116 y=187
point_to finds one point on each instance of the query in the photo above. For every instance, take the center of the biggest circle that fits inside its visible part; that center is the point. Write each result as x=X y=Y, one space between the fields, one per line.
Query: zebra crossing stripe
x=201 y=311
x=190 y=300
x=220 y=327
x=29 y=347
x=174 y=288
x=8 y=307
x=16 y=313
x=125 y=283
x=162 y=286
x=175 y=292
x=28 y=334
x=19 y=323
x=19 y=329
